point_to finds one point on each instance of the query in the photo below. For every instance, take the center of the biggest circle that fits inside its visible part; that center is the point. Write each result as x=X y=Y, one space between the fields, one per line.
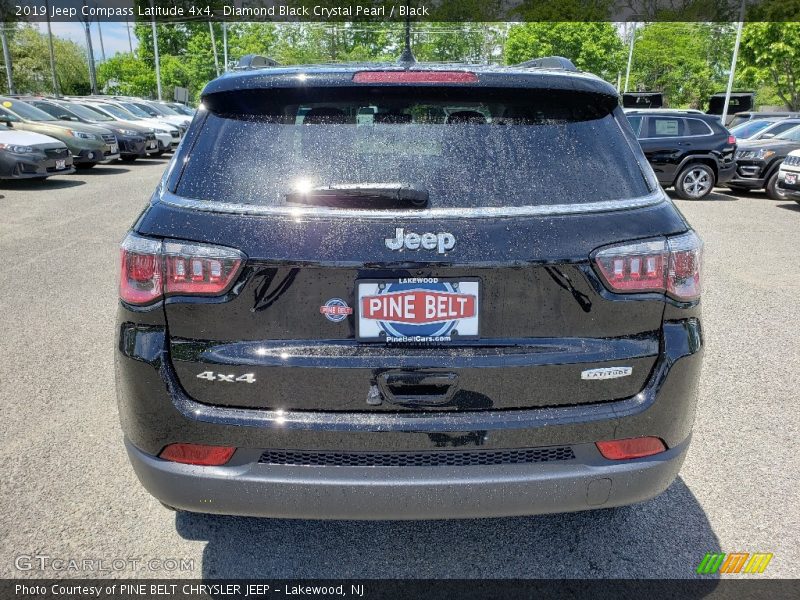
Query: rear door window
x=466 y=148
x=663 y=127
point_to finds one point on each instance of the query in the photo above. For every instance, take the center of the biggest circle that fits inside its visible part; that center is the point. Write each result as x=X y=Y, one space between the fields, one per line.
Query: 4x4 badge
x=442 y=242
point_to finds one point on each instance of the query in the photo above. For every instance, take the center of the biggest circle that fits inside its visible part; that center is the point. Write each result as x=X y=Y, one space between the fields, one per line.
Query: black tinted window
x=482 y=149
x=697 y=127
x=636 y=123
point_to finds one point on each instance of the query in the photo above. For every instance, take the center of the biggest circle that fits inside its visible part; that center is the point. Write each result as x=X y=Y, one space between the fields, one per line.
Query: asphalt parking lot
x=68 y=491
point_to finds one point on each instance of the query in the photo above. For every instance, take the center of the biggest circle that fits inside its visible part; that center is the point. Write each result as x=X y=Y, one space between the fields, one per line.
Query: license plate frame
x=61 y=164
x=790 y=178
x=455 y=293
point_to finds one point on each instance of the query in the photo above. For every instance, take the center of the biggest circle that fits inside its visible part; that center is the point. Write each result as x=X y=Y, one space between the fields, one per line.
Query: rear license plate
x=61 y=164
x=791 y=178
x=417 y=310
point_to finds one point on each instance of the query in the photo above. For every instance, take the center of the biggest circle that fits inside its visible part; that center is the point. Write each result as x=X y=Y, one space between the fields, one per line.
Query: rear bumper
x=255 y=489
x=726 y=172
x=155 y=411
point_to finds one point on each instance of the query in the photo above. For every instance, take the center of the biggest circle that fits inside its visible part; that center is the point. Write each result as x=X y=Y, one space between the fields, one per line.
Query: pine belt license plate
x=791 y=178
x=417 y=310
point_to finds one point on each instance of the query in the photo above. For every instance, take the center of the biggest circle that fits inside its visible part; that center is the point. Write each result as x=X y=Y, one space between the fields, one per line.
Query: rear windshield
x=466 y=148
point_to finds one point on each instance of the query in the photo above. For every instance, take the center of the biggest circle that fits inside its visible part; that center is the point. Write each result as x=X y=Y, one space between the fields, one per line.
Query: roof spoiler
x=549 y=62
x=255 y=61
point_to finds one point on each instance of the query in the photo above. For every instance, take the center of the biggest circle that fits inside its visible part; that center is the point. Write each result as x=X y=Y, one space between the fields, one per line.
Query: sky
x=115 y=36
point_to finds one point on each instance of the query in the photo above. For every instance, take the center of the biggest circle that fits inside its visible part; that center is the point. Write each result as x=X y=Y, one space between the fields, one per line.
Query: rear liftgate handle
x=412 y=388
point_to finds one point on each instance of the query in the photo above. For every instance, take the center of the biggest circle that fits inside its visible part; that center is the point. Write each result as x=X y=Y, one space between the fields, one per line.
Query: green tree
x=770 y=55
x=128 y=75
x=31 y=63
x=593 y=47
x=687 y=61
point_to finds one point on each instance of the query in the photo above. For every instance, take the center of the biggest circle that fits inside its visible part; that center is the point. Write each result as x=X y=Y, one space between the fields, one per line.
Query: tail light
x=731 y=139
x=631 y=448
x=197 y=454
x=151 y=269
x=670 y=266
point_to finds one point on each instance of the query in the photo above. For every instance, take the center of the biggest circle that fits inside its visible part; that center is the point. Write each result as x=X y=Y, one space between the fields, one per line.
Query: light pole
x=733 y=64
x=92 y=72
x=630 y=57
x=155 y=49
x=128 y=28
x=224 y=46
x=52 y=53
x=100 y=32
x=7 y=59
x=214 y=47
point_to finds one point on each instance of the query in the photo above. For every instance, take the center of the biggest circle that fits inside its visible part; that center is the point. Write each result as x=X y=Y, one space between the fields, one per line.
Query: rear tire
x=85 y=165
x=158 y=154
x=695 y=181
x=772 y=189
x=128 y=159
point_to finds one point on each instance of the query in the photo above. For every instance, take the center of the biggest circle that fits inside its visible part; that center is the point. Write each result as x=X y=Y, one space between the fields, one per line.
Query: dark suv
x=688 y=151
x=758 y=163
x=432 y=291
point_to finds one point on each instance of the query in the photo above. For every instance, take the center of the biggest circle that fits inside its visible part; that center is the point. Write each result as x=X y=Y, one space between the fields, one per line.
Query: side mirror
x=8 y=123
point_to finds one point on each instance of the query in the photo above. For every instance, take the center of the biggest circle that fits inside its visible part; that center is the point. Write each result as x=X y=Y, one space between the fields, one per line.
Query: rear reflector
x=151 y=269
x=671 y=266
x=197 y=454
x=415 y=77
x=631 y=448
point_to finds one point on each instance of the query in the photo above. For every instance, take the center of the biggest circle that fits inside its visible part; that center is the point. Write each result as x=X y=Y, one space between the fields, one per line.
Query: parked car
x=181 y=108
x=421 y=316
x=757 y=163
x=167 y=136
x=28 y=155
x=135 y=141
x=89 y=144
x=159 y=111
x=789 y=176
x=763 y=129
x=747 y=129
x=688 y=151
x=743 y=117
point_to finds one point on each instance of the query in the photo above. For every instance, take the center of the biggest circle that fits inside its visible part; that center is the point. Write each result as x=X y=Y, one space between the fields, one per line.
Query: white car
x=789 y=176
x=168 y=135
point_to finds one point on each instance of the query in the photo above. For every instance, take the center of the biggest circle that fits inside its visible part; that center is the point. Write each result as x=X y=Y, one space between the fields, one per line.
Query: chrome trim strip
x=653 y=199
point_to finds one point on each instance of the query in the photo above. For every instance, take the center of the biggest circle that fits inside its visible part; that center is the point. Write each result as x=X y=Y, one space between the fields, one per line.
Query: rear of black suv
x=408 y=292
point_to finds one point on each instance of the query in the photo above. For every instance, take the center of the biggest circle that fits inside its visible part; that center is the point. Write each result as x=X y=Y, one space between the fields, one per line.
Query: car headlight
x=129 y=132
x=82 y=135
x=16 y=149
x=765 y=154
x=157 y=130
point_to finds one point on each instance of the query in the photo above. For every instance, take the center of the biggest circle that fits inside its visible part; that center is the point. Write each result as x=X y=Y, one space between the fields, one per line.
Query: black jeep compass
x=408 y=291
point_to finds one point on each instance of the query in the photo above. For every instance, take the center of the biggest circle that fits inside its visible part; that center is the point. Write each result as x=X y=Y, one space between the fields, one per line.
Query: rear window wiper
x=361 y=195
